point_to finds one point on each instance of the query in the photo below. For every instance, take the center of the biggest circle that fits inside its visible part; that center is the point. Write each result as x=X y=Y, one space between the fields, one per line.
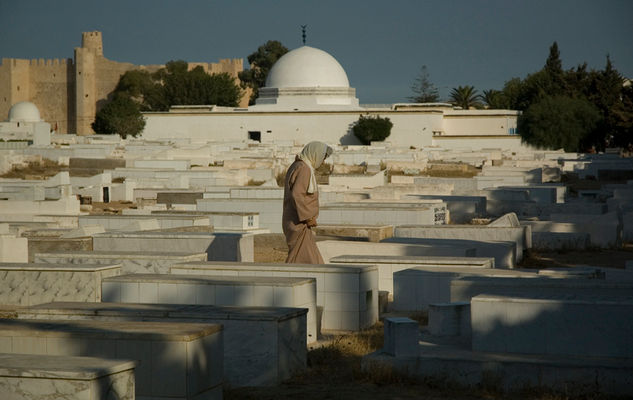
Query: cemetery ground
x=334 y=364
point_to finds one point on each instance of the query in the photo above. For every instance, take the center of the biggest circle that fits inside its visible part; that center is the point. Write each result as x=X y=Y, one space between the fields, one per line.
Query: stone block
x=401 y=337
x=449 y=319
x=26 y=284
x=13 y=249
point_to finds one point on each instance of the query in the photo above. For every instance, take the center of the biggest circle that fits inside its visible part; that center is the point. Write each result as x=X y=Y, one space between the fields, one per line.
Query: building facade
x=69 y=92
x=308 y=97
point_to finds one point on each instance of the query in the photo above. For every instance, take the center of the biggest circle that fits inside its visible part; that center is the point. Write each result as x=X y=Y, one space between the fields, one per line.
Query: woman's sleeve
x=306 y=204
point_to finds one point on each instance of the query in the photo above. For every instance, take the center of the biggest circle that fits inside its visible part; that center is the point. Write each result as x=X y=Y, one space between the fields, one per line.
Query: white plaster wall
x=506 y=142
x=409 y=129
x=494 y=122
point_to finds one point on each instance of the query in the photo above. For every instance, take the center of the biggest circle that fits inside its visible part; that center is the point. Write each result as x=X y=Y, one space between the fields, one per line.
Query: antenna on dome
x=303 y=33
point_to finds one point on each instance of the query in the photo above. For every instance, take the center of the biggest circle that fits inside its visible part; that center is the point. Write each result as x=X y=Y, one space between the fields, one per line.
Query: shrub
x=372 y=129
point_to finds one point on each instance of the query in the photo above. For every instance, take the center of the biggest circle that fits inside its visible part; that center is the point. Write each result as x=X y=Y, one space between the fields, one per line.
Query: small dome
x=307 y=67
x=24 y=111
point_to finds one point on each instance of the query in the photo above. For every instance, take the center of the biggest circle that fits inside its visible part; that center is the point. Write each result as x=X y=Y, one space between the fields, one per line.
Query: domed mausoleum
x=307 y=78
x=25 y=124
x=24 y=111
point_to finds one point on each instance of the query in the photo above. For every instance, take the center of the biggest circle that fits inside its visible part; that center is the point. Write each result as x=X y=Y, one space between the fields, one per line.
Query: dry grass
x=608 y=258
x=447 y=170
x=253 y=182
x=36 y=170
x=440 y=170
x=270 y=248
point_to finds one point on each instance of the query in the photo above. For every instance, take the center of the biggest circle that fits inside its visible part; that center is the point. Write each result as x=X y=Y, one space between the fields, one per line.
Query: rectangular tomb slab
x=466 y=287
x=216 y=290
x=387 y=265
x=373 y=233
x=27 y=376
x=415 y=288
x=176 y=360
x=132 y=262
x=333 y=248
x=595 y=326
x=347 y=294
x=217 y=246
x=262 y=345
x=26 y=284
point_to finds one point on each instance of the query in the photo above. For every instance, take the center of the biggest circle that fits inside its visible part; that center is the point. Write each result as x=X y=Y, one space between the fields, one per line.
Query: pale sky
x=380 y=44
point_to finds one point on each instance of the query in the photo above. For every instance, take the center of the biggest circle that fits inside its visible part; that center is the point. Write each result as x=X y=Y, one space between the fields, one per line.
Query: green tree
x=178 y=84
x=174 y=84
x=603 y=89
x=493 y=99
x=511 y=93
x=122 y=115
x=608 y=94
x=559 y=122
x=465 y=97
x=623 y=115
x=141 y=86
x=554 y=70
x=423 y=90
x=261 y=61
x=372 y=129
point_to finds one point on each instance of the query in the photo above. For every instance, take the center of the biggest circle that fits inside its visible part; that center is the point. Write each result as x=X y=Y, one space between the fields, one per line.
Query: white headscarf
x=313 y=154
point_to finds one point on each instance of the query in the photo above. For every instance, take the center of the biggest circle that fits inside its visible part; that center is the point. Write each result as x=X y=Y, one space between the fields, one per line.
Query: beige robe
x=300 y=206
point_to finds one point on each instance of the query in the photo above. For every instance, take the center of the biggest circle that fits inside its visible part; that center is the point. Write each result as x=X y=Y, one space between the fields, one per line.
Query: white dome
x=307 y=67
x=24 y=111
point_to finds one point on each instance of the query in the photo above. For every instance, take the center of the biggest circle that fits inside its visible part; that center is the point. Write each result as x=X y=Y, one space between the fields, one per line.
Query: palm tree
x=465 y=97
x=493 y=98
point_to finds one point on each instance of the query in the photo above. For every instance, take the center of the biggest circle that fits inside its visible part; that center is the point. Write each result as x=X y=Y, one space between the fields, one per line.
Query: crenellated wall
x=69 y=92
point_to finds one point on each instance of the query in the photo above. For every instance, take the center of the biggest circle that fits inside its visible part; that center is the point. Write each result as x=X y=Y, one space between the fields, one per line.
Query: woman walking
x=301 y=204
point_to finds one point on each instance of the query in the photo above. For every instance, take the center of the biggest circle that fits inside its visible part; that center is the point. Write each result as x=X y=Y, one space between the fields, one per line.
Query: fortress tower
x=92 y=41
x=86 y=58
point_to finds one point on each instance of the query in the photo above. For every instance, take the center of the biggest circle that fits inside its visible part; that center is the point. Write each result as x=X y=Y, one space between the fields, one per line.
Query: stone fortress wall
x=69 y=92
